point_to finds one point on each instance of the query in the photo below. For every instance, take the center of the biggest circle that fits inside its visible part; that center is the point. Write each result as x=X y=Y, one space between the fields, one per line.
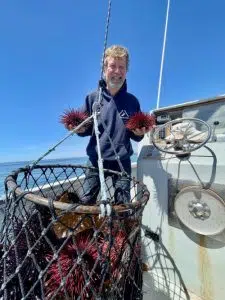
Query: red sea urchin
x=72 y=117
x=139 y=120
x=76 y=261
x=115 y=251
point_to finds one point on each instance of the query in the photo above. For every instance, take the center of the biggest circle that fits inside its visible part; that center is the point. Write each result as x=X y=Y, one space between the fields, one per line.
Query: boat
x=184 y=239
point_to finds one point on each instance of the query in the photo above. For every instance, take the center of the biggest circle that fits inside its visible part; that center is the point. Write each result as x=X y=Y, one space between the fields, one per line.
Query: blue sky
x=50 y=58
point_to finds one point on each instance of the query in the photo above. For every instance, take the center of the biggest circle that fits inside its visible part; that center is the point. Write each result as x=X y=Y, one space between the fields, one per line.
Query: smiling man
x=117 y=106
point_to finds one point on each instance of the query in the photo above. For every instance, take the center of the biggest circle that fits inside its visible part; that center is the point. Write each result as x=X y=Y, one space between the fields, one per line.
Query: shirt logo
x=124 y=114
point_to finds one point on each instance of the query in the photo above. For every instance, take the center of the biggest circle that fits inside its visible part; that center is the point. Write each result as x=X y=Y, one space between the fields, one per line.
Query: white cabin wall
x=199 y=260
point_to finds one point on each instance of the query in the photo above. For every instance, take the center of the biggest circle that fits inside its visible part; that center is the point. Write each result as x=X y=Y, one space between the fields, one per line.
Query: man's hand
x=81 y=130
x=142 y=131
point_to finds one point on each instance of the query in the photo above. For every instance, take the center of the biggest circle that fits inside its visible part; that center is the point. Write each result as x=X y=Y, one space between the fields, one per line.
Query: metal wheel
x=181 y=136
x=201 y=210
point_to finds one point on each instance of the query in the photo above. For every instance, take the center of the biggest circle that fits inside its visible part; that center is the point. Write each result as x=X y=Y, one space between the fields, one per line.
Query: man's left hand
x=140 y=131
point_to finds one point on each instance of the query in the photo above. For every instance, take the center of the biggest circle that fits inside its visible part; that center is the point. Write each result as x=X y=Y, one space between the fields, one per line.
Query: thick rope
x=104 y=206
x=163 y=54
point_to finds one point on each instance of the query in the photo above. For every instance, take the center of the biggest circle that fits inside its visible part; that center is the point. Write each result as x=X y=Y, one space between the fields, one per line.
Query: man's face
x=115 y=72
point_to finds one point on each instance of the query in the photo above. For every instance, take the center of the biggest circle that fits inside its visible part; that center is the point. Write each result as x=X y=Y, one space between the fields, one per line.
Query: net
x=53 y=247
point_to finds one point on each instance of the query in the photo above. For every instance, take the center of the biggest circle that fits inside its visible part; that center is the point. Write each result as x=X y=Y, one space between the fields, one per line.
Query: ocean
x=8 y=167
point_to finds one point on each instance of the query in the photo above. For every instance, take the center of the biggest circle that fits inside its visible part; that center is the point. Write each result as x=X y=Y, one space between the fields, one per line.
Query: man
x=117 y=106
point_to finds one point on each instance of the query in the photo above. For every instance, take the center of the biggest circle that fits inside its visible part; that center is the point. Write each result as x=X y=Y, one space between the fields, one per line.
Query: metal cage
x=53 y=247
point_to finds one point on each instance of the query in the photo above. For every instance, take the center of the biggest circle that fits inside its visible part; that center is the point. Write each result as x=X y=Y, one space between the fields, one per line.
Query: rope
x=106 y=131
x=114 y=149
x=60 y=142
x=106 y=35
x=163 y=54
x=104 y=206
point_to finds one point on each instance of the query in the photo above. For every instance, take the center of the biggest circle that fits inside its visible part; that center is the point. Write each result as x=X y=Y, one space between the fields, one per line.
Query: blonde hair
x=117 y=51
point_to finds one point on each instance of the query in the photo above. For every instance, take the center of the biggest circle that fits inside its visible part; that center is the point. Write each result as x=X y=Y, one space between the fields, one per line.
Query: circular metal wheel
x=181 y=136
x=201 y=210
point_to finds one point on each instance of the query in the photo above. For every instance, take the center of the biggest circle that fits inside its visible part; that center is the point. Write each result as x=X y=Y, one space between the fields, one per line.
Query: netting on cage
x=53 y=247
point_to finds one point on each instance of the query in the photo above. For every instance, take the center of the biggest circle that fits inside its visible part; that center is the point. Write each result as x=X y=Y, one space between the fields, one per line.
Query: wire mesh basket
x=53 y=247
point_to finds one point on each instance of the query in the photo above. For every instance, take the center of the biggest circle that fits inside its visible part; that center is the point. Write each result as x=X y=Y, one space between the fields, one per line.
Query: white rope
x=163 y=54
x=104 y=208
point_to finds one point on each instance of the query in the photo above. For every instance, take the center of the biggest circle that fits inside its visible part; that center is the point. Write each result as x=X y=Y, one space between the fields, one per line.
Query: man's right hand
x=81 y=130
